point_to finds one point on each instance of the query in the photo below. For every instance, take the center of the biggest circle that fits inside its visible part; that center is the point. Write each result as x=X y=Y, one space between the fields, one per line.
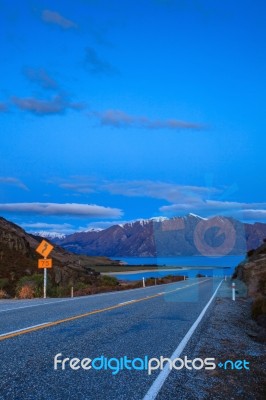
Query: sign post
x=44 y=282
x=44 y=249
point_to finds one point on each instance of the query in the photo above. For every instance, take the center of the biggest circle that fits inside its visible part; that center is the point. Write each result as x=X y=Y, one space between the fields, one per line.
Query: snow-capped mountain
x=143 y=222
x=163 y=237
x=50 y=235
x=93 y=230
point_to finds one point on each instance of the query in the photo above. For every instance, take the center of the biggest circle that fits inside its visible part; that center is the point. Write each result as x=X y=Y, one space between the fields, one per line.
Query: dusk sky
x=113 y=111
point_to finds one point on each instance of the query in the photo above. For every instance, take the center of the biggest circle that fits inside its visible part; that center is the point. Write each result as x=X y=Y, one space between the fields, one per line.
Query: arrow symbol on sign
x=44 y=247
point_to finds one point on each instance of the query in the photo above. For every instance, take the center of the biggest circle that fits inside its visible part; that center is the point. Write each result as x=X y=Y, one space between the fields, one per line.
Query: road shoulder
x=227 y=333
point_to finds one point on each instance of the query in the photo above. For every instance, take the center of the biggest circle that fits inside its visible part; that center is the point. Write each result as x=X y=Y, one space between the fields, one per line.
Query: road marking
x=45 y=303
x=126 y=302
x=75 y=317
x=40 y=304
x=22 y=330
x=161 y=378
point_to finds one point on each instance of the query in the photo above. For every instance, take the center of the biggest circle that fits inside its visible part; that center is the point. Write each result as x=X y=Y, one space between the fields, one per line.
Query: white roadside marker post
x=143 y=281
x=233 y=291
x=44 y=281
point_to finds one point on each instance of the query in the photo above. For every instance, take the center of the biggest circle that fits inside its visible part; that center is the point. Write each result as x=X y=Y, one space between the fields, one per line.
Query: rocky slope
x=253 y=272
x=186 y=236
x=18 y=258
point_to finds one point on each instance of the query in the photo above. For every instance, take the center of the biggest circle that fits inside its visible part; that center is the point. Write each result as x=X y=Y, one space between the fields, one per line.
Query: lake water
x=191 y=266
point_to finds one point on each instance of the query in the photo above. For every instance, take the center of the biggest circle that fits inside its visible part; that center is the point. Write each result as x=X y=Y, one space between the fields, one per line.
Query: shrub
x=26 y=292
x=3 y=294
x=200 y=276
x=4 y=283
x=79 y=285
x=35 y=282
x=109 y=280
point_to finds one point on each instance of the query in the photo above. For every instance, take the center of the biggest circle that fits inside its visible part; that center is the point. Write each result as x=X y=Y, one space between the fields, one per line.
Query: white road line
x=161 y=378
x=126 y=302
x=23 y=329
x=39 y=304
x=79 y=298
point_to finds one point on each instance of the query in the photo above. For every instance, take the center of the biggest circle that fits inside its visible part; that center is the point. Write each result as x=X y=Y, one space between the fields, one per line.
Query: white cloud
x=77 y=187
x=182 y=199
x=141 y=188
x=13 y=181
x=56 y=209
x=41 y=77
x=49 y=228
x=158 y=190
x=53 y=17
x=250 y=211
x=120 y=119
x=254 y=214
x=58 y=104
x=44 y=225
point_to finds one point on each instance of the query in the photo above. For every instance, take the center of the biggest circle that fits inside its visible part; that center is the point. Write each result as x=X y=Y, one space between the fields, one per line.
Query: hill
x=253 y=272
x=18 y=258
x=186 y=236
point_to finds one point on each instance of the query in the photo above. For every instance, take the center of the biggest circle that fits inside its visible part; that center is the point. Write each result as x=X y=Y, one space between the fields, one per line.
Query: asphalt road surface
x=149 y=322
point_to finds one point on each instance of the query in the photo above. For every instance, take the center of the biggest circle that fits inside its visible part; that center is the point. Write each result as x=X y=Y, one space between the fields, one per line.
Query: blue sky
x=113 y=111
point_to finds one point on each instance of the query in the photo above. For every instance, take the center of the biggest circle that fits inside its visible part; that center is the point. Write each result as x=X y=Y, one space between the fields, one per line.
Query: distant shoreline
x=137 y=269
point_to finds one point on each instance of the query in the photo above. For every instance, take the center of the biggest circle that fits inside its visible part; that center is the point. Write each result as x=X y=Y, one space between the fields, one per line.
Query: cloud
x=13 y=181
x=3 y=107
x=53 y=17
x=159 y=190
x=94 y=64
x=184 y=199
x=120 y=119
x=41 y=77
x=43 y=227
x=254 y=214
x=57 y=209
x=57 y=105
x=215 y=207
x=139 y=188
x=77 y=187
x=187 y=198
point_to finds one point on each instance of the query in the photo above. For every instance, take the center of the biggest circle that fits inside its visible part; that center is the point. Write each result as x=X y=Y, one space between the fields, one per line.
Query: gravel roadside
x=227 y=333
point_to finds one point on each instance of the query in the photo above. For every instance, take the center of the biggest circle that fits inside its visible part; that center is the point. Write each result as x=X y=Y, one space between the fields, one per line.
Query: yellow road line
x=75 y=317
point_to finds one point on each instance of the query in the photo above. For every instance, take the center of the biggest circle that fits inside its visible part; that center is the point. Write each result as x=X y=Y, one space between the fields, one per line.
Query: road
x=136 y=323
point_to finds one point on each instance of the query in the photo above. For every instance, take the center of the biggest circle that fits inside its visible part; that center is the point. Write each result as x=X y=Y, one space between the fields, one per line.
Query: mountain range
x=161 y=237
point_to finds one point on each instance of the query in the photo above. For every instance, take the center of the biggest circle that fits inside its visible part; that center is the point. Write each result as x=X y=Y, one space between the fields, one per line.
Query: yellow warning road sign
x=45 y=263
x=44 y=248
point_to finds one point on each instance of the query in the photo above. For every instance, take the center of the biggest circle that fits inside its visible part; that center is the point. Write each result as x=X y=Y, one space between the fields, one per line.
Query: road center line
x=75 y=317
x=45 y=303
x=161 y=378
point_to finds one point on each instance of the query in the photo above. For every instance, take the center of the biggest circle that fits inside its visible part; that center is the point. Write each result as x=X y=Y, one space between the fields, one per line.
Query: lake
x=191 y=266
